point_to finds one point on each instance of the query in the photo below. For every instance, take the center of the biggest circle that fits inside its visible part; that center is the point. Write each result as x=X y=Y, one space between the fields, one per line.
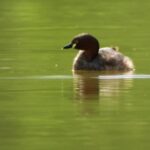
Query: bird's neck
x=90 y=54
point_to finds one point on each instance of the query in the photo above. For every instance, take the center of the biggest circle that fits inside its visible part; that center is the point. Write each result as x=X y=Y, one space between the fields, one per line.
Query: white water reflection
x=79 y=75
x=124 y=76
x=42 y=77
x=92 y=85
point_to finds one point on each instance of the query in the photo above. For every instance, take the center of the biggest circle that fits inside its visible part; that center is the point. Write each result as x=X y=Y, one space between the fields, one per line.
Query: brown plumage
x=92 y=57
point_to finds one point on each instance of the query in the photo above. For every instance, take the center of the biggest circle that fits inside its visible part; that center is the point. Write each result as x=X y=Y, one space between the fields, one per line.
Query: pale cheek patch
x=74 y=45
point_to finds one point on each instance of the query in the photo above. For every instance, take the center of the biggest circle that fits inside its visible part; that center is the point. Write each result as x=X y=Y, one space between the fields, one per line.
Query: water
x=44 y=105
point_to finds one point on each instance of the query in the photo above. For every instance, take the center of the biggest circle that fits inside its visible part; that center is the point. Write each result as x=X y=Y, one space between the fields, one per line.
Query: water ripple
x=133 y=76
x=65 y=77
x=46 y=77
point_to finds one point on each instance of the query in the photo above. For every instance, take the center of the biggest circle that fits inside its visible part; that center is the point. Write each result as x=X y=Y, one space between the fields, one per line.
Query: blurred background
x=43 y=105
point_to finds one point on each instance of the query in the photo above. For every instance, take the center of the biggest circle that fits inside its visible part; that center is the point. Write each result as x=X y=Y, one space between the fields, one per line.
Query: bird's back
x=107 y=59
x=114 y=60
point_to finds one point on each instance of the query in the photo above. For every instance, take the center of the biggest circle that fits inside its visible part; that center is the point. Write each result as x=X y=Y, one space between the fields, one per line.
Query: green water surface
x=43 y=105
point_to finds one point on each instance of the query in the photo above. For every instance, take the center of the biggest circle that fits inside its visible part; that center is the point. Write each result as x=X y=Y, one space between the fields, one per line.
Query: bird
x=91 y=57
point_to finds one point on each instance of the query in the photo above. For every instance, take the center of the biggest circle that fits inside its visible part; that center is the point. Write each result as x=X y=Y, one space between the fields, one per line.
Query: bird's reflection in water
x=86 y=89
x=85 y=86
x=89 y=89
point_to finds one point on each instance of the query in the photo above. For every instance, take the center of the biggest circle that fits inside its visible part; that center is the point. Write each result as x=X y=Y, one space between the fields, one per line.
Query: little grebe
x=92 y=57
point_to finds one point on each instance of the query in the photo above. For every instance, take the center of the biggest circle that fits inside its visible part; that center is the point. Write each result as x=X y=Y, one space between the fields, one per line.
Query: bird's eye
x=76 y=41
